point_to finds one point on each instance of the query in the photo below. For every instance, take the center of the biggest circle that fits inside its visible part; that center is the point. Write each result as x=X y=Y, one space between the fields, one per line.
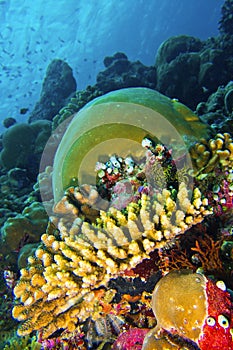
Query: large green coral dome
x=116 y=123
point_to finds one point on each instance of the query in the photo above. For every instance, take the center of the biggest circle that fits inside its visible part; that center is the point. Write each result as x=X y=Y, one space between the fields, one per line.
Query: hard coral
x=23 y=145
x=58 y=85
x=58 y=289
x=226 y=21
x=206 y=155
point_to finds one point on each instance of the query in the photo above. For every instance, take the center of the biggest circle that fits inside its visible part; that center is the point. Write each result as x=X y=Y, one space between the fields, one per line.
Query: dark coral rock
x=117 y=56
x=175 y=46
x=58 y=85
x=191 y=70
x=121 y=73
x=23 y=145
x=178 y=65
x=7 y=122
x=217 y=111
x=226 y=21
x=212 y=69
x=24 y=253
x=228 y=100
x=18 y=178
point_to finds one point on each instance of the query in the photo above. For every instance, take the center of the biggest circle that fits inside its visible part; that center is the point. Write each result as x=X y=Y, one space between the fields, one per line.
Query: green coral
x=23 y=343
x=124 y=115
x=17 y=145
x=75 y=104
x=25 y=227
x=23 y=141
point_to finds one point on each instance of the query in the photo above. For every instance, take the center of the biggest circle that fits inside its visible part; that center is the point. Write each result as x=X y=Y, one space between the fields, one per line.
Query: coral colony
x=124 y=240
x=96 y=278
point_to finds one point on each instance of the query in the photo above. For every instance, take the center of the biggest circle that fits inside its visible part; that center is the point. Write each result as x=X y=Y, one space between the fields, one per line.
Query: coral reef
x=130 y=340
x=198 y=312
x=23 y=343
x=75 y=103
x=206 y=155
x=23 y=145
x=58 y=85
x=217 y=111
x=68 y=279
x=22 y=229
x=177 y=58
x=190 y=69
x=17 y=144
x=226 y=22
x=122 y=112
x=121 y=73
x=88 y=283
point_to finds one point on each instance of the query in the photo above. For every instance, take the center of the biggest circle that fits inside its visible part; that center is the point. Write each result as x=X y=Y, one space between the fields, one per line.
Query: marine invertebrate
x=226 y=21
x=218 y=151
x=23 y=145
x=228 y=100
x=130 y=340
x=121 y=73
x=203 y=254
x=90 y=242
x=25 y=343
x=198 y=312
x=72 y=267
x=114 y=122
x=23 y=228
x=75 y=103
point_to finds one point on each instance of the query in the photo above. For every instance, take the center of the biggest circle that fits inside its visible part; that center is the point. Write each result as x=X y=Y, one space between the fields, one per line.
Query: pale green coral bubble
x=116 y=123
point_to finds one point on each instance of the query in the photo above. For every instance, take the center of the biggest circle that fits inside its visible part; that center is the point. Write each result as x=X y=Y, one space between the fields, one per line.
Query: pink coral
x=130 y=340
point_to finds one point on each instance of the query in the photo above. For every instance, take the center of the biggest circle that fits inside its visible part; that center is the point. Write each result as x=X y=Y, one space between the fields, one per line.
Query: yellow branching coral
x=207 y=154
x=61 y=285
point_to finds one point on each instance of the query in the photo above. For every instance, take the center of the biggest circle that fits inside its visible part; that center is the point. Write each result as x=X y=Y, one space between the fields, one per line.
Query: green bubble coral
x=116 y=123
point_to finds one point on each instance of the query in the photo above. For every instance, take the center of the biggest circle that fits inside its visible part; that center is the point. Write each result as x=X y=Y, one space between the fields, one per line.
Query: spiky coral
x=61 y=287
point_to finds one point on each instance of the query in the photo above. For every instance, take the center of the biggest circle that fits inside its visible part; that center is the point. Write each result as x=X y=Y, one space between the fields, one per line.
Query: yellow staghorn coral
x=206 y=155
x=60 y=288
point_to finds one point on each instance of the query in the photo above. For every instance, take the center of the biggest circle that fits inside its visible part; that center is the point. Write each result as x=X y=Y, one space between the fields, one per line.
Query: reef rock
x=189 y=69
x=58 y=85
x=23 y=145
x=121 y=73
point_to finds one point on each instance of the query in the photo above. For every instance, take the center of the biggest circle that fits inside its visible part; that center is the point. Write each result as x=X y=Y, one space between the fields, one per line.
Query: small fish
x=23 y=110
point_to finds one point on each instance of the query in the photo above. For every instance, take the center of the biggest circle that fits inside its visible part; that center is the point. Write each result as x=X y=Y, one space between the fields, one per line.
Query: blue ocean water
x=83 y=33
